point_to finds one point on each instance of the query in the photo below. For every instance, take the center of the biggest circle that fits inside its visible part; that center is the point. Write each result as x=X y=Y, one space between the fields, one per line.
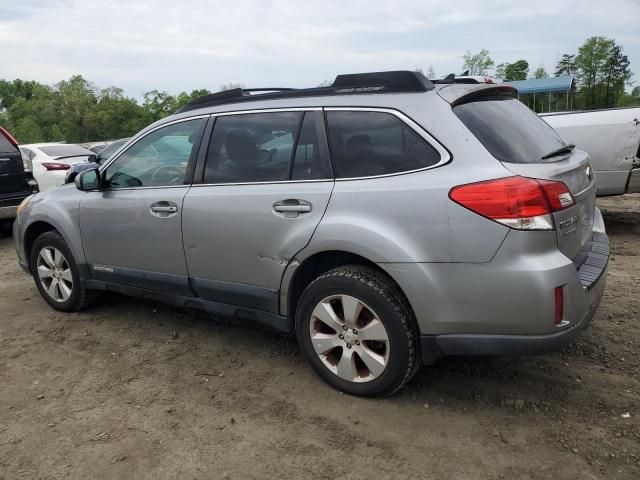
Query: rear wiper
x=560 y=151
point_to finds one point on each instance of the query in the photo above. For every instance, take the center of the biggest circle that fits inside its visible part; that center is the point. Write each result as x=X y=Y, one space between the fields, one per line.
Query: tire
x=71 y=293
x=338 y=357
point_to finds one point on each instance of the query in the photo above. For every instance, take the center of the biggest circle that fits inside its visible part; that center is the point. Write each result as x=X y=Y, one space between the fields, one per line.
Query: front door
x=265 y=187
x=131 y=228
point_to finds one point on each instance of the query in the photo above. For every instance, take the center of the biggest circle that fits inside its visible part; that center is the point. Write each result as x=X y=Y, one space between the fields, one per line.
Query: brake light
x=559 y=297
x=55 y=166
x=9 y=136
x=517 y=202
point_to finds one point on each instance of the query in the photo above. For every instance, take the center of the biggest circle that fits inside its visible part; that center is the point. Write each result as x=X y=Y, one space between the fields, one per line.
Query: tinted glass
x=251 y=148
x=375 y=143
x=158 y=159
x=307 y=163
x=509 y=129
x=64 y=150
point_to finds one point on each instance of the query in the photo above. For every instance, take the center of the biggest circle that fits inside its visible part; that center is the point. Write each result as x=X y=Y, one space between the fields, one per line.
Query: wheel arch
x=301 y=272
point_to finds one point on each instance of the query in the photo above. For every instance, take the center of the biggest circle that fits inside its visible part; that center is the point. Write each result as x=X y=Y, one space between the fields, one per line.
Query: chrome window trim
x=445 y=156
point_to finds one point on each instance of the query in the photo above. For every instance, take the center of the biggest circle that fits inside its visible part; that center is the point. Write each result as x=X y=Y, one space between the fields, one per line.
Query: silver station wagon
x=385 y=219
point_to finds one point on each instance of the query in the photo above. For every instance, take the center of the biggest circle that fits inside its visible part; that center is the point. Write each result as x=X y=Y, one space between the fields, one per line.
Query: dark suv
x=15 y=183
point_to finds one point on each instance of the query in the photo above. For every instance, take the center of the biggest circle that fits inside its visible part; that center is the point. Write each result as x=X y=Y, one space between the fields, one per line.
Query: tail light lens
x=517 y=202
x=55 y=166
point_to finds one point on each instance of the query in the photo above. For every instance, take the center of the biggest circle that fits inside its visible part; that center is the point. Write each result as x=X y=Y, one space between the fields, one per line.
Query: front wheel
x=358 y=332
x=56 y=274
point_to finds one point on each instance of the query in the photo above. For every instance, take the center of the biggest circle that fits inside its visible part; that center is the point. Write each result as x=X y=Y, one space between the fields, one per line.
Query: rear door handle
x=292 y=206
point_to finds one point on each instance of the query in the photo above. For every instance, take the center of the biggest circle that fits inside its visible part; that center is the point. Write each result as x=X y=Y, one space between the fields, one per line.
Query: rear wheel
x=56 y=274
x=358 y=332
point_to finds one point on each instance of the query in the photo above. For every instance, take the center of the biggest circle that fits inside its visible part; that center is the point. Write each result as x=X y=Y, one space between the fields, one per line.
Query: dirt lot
x=132 y=389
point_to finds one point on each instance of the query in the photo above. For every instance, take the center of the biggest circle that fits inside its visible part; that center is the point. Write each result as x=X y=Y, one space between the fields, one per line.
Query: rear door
x=264 y=187
x=12 y=177
x=527 y=146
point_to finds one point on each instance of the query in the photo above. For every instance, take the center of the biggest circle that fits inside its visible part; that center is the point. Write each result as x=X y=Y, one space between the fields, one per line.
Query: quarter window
x=365 y=144
x=159 y=159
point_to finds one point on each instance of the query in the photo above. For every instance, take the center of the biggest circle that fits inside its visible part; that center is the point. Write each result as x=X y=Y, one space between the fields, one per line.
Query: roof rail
x=354 y=83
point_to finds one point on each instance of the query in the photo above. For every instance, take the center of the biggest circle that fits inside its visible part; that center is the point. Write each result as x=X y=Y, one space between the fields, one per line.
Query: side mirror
x=88 y=180
x=93 y=158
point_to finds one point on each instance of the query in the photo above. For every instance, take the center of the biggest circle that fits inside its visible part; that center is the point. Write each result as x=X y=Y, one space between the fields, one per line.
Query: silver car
x=386 y=220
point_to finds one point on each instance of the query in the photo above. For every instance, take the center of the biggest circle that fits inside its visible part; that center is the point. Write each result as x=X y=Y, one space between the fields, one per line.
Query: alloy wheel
x=54 y=273
x=349 y=338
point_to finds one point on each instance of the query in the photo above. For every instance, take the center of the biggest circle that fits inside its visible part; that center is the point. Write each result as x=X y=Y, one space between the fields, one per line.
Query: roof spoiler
x=463 y=93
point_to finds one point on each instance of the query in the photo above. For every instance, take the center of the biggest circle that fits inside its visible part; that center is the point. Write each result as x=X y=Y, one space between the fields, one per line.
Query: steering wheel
x=173 y=175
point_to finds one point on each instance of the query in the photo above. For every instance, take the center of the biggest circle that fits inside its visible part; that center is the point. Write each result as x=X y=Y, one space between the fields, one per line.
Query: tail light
x=55 y=166
x=517 y=202
x=9 y=137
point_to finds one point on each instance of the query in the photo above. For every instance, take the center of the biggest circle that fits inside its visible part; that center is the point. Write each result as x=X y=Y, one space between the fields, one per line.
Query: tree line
x=77 y=111
x=600 y=68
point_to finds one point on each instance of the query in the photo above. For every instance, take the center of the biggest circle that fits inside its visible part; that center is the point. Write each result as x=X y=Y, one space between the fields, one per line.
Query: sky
x=141 y=45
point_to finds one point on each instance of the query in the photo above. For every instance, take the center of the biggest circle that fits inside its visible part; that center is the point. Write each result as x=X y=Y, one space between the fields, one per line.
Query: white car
x=49 y=162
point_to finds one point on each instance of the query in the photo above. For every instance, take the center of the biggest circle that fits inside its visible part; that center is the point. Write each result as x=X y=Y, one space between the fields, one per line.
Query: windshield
x=64 y=150
x=509 y=130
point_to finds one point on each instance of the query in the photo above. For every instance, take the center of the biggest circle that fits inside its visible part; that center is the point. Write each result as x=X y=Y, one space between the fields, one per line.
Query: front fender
x=58 y=208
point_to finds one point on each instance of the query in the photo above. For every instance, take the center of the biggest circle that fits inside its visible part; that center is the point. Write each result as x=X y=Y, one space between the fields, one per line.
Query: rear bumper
x=8 y=213
x=506 y=306
x=633 y=186
x=9 y=205
x=436 y=346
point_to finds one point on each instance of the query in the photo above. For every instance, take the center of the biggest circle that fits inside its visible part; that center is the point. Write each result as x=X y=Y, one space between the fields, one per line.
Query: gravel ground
x=133 y=389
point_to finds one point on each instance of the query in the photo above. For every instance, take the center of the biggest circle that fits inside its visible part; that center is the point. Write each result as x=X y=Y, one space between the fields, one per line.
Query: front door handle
x=292 y=206
x=163 y=209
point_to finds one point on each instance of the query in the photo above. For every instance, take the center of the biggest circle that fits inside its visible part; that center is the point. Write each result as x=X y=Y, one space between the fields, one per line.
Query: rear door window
x=264 y=147
x=366 y=144
x=509 y=130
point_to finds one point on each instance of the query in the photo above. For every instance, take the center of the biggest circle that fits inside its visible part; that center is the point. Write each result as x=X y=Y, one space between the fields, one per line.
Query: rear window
x=509 y=129
x=64 y=150
x=365 y=144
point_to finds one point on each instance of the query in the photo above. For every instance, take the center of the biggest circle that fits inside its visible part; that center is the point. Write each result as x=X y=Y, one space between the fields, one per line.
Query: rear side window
x=365 y=144
x=509 y=129
x=263 y=147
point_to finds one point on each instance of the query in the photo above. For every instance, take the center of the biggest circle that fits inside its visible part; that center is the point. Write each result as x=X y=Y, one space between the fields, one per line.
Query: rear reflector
x=56 y=166
x=517 y=202
x=559 y=297
x=8 y=136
